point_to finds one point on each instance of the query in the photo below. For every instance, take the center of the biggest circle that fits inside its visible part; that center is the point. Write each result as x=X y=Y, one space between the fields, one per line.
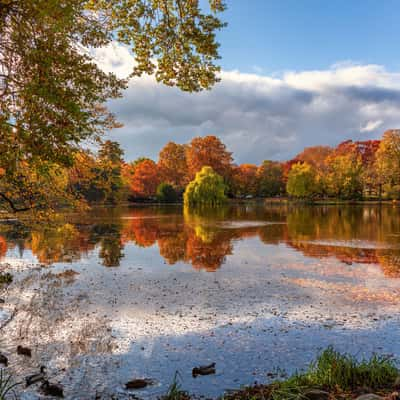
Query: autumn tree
x=270 y=179
x=145 y=179
x=208 y=151
x=388 y=163
x=82 y=174
x=244 y=180
x=315 y=156
x=301 y=181
x=108 y=171
x=173 y=165
x=51 y=90
x=207 y=188
x=343 y=179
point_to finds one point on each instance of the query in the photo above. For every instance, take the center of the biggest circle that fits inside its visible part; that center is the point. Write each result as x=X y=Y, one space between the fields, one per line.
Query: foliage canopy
x=51 y=90
x=207 y=188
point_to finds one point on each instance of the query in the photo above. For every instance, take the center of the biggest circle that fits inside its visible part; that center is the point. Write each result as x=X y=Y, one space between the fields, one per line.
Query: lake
x=119 y=293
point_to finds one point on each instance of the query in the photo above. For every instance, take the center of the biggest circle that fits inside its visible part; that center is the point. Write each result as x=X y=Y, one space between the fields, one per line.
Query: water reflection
x=204 y=238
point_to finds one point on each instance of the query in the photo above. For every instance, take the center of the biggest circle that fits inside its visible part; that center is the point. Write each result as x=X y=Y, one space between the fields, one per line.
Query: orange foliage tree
x=145 y=179
x=208 y=151
x=173 y=166
x=245 y=180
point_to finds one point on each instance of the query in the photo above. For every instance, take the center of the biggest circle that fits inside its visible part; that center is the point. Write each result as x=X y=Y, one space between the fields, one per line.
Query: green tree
x=207 y=188
x=108 y=171
x=166 y=193
x=301 y=181
x=51 y=90
x=270 y=179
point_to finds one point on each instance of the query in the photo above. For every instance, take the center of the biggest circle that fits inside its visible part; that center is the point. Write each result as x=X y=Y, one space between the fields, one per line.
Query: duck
x=34 y=378
x=24 y=351
x=52 y=389
x=3 y=359
x=203 y=370
x=138 y=383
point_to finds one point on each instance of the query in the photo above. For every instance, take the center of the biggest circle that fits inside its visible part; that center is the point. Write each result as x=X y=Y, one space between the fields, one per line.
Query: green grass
x=6 y=385
x=175 y=391
x=333 y=371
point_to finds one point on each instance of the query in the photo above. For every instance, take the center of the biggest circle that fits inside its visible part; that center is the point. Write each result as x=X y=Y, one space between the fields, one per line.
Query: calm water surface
x=121 y=293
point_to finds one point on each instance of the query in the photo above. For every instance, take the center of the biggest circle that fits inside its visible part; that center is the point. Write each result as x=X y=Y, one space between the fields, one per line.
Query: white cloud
x=114 y=58
x=371 y=126
x=256 y=116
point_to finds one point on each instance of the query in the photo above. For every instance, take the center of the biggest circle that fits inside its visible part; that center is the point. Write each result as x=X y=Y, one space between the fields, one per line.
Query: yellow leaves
x=207 y=188
x=301 y=181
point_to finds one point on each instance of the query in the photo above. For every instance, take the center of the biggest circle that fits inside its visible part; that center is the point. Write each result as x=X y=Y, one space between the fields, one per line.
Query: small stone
x=369 y=396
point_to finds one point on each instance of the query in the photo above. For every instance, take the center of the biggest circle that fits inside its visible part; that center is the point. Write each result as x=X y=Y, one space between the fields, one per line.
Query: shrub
x=207 y=188
x=166 y=193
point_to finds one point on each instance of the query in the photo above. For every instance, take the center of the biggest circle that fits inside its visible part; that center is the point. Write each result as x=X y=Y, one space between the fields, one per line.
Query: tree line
x=351 y=170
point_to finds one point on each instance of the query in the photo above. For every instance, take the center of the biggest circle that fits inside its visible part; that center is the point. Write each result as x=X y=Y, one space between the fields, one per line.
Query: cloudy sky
x=295 y=74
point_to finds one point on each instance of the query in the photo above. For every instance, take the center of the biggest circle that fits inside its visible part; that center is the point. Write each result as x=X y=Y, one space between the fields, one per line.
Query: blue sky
x=278 y=35
x=295 y=73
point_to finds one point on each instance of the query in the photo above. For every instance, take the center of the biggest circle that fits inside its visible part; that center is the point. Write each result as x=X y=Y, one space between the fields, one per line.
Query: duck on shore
x=34 y=378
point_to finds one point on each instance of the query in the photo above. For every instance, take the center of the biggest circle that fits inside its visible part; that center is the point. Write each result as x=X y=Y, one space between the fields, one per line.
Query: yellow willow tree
x=207 y=188
x=51 y=90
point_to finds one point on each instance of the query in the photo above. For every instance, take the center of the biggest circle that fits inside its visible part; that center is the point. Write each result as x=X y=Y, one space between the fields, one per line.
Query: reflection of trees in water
x=390 y=262
x=108 y=237
x=3 y=246
x=204 y=237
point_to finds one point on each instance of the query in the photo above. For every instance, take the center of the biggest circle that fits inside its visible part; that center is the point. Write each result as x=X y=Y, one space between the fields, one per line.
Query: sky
x=294 y=74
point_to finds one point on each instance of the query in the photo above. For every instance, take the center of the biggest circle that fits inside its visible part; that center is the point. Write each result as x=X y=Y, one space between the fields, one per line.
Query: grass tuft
x=6 y=385
x=333 y=371
x=175 y=391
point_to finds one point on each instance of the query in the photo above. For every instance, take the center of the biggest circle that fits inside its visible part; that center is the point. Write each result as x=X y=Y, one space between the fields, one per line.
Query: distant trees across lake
x=350 y=171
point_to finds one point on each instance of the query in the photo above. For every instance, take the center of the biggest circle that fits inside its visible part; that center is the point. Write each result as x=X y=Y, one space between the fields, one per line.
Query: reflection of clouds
x=352 y=292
